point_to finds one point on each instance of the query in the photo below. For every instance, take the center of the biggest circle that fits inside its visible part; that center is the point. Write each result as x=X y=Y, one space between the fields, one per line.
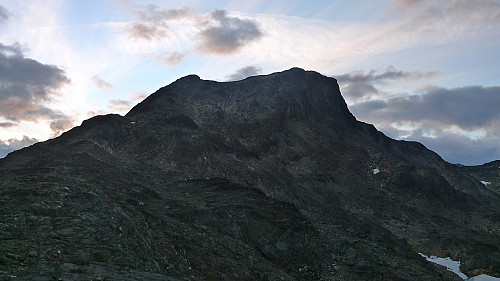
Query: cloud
x=152 y=13
x=153 y=22
x=358 y=84
x=355 y=91
x=215 y=34
x=60 y=125
x=244 y=72
x=227 y=35
x=26 y=85
x=461 y=124
x=7 y=124
x=101 y=83
x=123 y=2
x=429 y=14
x=171 y=58
x=139 y=96
x=146 y=31
x=4 y=14
x=119 y=103
x=468 y=108
x=7 y=146
x=452 y=146
x=402 y=5
x=375 y=76
x=120 y=106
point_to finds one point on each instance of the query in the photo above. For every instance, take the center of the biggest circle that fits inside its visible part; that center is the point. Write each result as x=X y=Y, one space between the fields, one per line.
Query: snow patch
x=485 y=182
x=451 y=265
x=376 y=171
x=483 y=277
x=454 y=266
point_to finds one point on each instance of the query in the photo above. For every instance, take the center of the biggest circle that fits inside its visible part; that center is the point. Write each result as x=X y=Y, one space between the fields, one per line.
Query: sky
x=419 y=70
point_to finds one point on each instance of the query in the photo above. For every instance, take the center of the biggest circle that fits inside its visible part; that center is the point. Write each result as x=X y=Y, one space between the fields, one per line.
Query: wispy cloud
x=153 y=23
x=123 y=106
x=4 y=14
x=377 y=76
x=154 y=14
x=120 y=106
x=455 y=16
x=147 y=31
x=171 y=58
x=217 y=33
x=244 y=72
x=403 y=5
x=286 y=41
x=101 y=83
x=123 y=2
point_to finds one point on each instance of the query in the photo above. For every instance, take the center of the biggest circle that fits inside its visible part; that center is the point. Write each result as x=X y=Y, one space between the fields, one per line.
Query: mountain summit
x=267 y=178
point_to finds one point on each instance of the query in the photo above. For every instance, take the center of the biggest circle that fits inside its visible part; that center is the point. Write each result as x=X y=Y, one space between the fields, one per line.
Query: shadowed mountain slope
x=268 y=178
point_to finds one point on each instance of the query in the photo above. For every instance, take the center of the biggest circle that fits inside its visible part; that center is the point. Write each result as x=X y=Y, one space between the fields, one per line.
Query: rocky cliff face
x=268 y=178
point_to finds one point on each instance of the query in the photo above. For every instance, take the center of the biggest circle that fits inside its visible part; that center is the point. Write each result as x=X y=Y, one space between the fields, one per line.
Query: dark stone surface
x=268 y=178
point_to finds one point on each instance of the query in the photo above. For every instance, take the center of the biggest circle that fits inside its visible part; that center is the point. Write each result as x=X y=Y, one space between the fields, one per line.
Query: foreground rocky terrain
x=268 y=178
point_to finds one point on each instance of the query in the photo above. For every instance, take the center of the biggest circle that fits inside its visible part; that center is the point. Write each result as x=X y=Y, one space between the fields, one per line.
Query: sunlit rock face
x=268 y=178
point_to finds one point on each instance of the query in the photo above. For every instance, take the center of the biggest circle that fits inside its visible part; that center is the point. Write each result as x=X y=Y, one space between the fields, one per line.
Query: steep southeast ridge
x=267 y=178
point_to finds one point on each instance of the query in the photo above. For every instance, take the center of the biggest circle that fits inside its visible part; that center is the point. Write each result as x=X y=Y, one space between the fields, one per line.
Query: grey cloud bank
x=461 y=124
x=26 y=84
x=471 y=107
x=10 y=145
x=7 y=124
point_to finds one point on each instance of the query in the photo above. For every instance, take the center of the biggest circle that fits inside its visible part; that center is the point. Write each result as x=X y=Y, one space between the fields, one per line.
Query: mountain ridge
x=203 y=175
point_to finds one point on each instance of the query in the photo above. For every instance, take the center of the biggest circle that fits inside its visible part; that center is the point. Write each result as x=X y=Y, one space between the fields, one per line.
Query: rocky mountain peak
x=267 y=178
x=294 y=93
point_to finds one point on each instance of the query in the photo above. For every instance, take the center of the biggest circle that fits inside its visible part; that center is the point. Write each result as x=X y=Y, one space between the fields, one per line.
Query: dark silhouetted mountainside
x=268 y=178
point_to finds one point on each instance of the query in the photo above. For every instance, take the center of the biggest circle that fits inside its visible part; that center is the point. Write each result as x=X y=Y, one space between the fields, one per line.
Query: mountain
x=488 y=174
x=268 y=178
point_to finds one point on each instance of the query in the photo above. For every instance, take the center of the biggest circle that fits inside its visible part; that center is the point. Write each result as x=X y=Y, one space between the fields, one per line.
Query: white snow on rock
x=454 y=266
x=376 y=171
x=485 y=182
x=451 y=265
x=483 y=277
